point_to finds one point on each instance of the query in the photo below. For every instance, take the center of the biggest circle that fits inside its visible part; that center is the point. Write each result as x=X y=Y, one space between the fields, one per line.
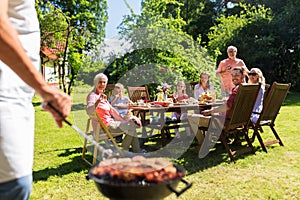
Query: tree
x=264 y=39
x=286 y=32
x=159 y=48
x=199 y=16
x=71 y=28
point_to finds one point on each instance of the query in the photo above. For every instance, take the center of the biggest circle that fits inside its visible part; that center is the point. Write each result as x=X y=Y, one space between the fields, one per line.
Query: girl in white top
x=203 y=86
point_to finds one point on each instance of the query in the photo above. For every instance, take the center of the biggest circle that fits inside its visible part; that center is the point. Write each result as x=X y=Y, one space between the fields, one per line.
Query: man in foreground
x=19 y=77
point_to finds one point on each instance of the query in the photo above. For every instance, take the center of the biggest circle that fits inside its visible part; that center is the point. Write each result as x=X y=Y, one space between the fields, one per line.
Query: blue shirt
x=258 y=105
x=122 y=100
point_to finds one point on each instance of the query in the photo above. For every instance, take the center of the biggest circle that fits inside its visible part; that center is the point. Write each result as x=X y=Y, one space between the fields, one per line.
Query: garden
x=60 y=173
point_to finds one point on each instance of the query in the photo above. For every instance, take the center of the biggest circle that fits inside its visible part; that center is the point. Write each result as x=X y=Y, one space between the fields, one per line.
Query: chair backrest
x=109 y=90
x=273 y=101
x=137 y=93
x=190 y=88
x=243 y=106
x=267 y=89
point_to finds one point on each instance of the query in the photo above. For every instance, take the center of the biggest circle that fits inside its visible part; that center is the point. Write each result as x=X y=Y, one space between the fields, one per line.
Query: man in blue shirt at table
x=120 y=102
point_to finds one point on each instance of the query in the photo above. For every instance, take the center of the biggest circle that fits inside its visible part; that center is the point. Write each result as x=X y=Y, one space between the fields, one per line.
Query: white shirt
x=198 y=90
x=16 y=110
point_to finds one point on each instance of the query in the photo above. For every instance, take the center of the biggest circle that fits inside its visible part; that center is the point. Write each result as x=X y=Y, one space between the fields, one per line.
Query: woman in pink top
x=225 y=68
x=98 y=103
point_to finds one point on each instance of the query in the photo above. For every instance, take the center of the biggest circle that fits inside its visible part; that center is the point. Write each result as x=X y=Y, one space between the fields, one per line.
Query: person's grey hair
x=98 y=77
x=261 y=78
x=231 y=47
x=120 y=85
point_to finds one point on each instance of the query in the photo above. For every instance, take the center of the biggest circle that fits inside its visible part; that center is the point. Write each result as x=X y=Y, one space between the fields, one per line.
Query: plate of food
x=205 y=97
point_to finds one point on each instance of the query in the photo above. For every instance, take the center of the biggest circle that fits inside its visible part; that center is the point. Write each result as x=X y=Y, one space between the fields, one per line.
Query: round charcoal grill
x=122 y=187
x=155 y=183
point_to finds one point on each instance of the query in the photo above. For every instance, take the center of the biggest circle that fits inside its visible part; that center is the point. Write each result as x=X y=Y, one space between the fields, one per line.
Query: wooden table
x=142 y=111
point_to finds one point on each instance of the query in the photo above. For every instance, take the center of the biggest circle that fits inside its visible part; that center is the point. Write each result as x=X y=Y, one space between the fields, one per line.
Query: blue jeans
x=18 y=189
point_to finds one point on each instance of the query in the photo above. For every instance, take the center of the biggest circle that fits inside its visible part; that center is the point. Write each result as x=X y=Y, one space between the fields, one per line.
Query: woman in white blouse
x=203 y=86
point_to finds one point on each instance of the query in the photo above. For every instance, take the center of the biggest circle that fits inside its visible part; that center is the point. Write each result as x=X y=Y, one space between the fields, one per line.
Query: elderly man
x=224 y=70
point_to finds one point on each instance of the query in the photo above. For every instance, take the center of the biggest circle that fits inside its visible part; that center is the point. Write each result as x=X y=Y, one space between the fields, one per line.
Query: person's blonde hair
x=182 y=83
x=261 y=78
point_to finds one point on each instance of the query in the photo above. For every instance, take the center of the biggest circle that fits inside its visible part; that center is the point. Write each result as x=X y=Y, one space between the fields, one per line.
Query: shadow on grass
x=193 y=164
x=189 y=159
x=76 y=165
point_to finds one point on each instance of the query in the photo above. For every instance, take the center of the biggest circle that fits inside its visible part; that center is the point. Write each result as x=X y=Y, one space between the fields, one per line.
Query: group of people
x=117 y=121
x=20 y=78
x=233 y=72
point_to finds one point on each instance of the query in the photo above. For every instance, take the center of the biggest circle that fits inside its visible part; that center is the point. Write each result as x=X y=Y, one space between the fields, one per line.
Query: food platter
x=162 y=103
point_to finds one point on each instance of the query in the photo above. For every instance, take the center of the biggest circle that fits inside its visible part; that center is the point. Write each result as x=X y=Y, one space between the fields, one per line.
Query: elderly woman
x=97 y=103
x=256 y=76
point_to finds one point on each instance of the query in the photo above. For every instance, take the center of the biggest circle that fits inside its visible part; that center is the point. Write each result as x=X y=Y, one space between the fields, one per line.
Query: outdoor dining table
x=141 y=111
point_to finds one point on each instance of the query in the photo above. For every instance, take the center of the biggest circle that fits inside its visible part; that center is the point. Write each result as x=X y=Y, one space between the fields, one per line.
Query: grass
x=59 y=172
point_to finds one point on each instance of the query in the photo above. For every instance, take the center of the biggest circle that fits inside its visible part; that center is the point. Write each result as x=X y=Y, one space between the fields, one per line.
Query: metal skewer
x=105 y=152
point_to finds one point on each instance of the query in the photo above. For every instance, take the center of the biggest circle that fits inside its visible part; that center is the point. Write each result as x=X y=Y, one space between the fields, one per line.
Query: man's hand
x=61 y=101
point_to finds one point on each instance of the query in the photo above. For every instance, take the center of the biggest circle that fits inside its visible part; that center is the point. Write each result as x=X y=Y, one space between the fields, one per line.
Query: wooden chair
x=137 y=93
x=109 y=90
x=267 y=89
x=267 y=117
x=190 y=87
x=176 y=124
x=237 y=123
x=98 y=135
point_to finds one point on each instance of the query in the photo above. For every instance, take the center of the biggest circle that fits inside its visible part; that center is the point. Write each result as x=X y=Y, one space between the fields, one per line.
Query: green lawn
x=59 y=172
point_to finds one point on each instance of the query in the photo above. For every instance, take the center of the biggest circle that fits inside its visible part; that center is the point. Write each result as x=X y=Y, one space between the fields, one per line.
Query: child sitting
x=178 y=97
